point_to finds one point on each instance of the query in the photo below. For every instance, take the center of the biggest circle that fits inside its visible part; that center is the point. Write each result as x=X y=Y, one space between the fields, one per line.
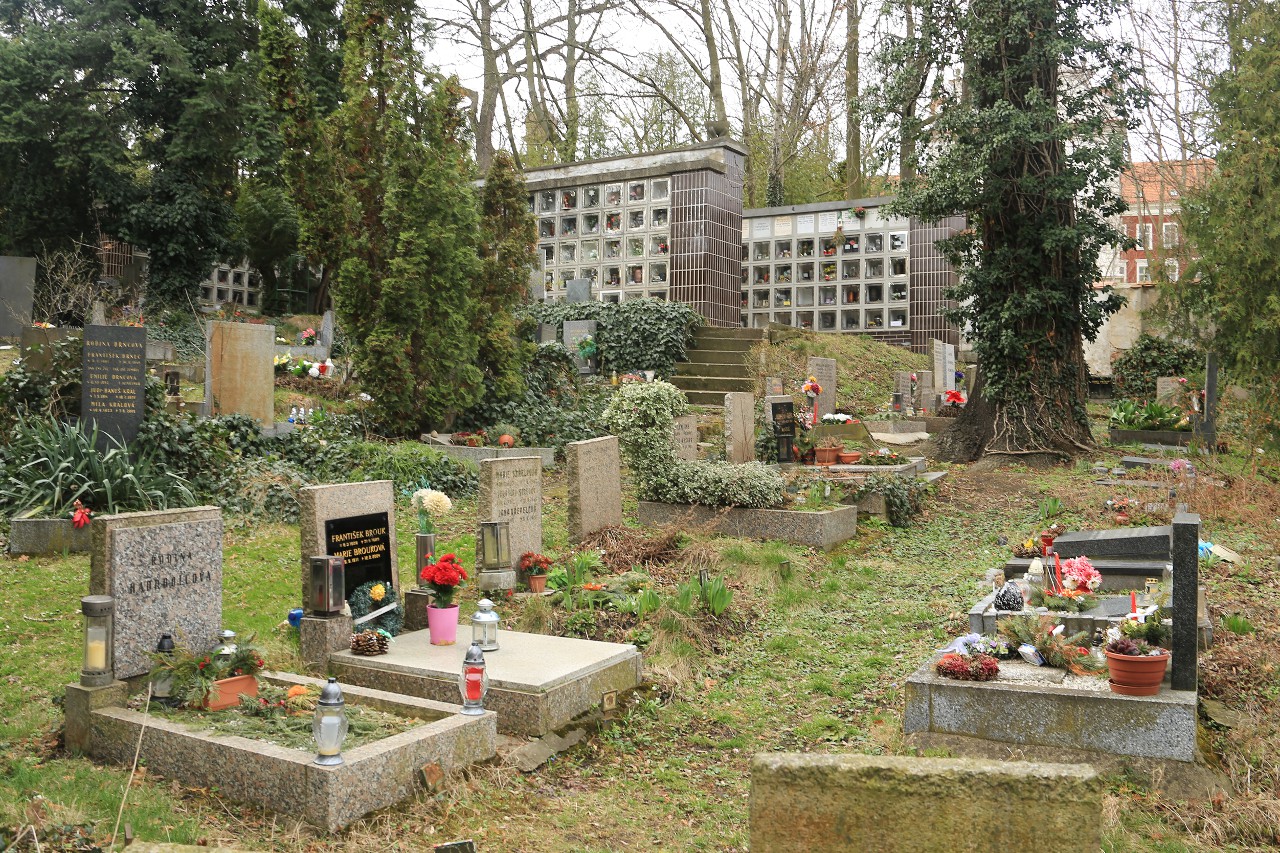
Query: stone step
x=734 y=344
x=733 y=371
x=933 y=476
x=715 y=356
x=721 y=384
x=706 y=399
x=706 y=332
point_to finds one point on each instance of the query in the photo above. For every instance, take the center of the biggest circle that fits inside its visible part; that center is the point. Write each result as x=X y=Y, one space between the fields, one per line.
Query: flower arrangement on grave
x=838 y=418
x=630 y=377
x=968 y=667
x=371 y=597
x=1079 y=575
x=587 y=347
x=1069 y=587
x=476 y=438
x=1041 y=641
x=860 y=212
x=314 y=369
x=442 y=577
x=532 y=563
x=954 y=400
x=273 y=701
x=883 y=456
x=1148 y=629
x=308 y=337
x=283 y=363
x=193 y=673
x=430 y=505
x=81 y=515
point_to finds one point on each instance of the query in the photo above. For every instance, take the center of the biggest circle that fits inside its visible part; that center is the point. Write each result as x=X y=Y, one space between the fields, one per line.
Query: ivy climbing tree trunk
x=1032 y=165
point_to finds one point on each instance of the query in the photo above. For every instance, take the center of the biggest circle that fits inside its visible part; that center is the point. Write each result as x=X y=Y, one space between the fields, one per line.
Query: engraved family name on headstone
x=684 y=435
x=355 y=521
x=511 y=491
x=364 y=544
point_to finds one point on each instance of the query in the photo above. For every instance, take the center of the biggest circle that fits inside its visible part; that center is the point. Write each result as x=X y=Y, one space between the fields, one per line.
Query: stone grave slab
x=547 y=333
x=740 y=426
x=352 y=520
x=511 y=491
x=164 y=570
x=114 y=379
x=17 y=287
x=537 y=683
x=239 y=370
x=684 y=435
x=1168 y=389
x=574 y=331
x=36 y=345
x=1122 y=542
x=773 y=386
x=578 y=290
x=768 y=405
x=824 y=370
x=594 y=469
x=327 y=330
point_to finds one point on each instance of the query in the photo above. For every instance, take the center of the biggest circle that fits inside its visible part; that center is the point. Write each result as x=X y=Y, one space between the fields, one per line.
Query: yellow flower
x=378 y=592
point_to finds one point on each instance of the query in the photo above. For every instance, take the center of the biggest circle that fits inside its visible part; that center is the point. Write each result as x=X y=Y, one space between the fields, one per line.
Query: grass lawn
x=812 y=663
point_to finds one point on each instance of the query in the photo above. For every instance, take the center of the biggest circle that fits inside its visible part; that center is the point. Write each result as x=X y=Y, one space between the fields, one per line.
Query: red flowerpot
x=1136 y=675
x=538 y=583
x=1122 y=517
x=226 y=692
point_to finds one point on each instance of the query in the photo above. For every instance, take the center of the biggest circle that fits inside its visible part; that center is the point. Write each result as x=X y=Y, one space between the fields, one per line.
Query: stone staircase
x=717 y=364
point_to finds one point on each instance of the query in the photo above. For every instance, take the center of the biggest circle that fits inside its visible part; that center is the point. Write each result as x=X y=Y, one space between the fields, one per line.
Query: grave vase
x=425 y=544
x=442 y=623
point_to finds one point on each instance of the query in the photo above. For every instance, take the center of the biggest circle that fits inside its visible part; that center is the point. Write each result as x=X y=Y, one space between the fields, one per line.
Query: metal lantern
x=484 y=626
x=328 y=585
x=495 y=546
x=98 y=667
x=162 y=684
x=329 y=727
x=473 y=683
x=226 y=645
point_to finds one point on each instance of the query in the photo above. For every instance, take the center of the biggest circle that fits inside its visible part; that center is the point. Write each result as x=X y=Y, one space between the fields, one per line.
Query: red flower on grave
x=260 y=663
x=80 y=515
x=202 y=664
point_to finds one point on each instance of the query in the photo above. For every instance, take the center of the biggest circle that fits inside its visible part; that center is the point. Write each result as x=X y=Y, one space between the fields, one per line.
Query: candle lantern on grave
x=328 y=585
x=162 y=683
x=495 y=546
x=98 y=666
x=329 y=726
x=473 y=682
x=484 y=626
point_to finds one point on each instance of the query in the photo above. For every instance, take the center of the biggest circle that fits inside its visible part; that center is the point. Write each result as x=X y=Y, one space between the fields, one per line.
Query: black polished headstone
x=113 y=379
x=1185 y=549
x=364 y=544
x=784 y=429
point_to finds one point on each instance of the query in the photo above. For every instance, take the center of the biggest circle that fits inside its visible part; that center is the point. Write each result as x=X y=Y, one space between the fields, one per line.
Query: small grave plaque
x=364 y=544
x=578 y=290
x=824 y=370
x=575 y=331
x=784 y=428
x=114 y=379
x=684 y=435
x=1167 y=388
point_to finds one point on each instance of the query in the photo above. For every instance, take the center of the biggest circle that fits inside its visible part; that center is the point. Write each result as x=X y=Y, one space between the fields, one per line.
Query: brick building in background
x=1154 y=193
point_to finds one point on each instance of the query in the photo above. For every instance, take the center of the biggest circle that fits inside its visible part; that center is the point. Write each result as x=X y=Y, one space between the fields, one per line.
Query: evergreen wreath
x=371 y=596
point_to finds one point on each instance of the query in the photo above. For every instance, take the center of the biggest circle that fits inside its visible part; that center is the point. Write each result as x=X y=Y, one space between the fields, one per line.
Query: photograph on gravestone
x=165 y=576
x=17 y=288
x=114 y=379
x=773 y=386
x=364 y=544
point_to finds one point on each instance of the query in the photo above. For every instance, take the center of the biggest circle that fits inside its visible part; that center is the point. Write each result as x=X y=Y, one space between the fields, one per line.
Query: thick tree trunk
x=854 y=184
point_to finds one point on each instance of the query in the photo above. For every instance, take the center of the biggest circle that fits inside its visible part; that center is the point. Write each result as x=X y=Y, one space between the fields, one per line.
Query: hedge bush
x=641 y=415
x=1134 y=374
x=636 y=335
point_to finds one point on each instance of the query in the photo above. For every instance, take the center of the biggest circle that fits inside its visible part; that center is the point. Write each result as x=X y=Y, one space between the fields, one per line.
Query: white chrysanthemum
x=431 y=501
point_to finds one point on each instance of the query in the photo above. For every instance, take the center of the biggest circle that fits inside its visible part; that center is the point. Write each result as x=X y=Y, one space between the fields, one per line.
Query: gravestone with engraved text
x=511 y=491
x=114 y=379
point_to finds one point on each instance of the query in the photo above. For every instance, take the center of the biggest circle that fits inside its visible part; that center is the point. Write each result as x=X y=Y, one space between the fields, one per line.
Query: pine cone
x=368 y=643
x=1020 y=550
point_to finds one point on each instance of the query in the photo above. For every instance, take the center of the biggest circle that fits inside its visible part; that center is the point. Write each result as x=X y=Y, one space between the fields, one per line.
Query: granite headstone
x=575 y=331
x=578 y=290
x=511 y=491
x=684 y=435
x=594 y=469
x=824 y=370
x=547 y=333
x=114 y=379
x=773 y=386
x=346 y=518
x=740 y=426
x=327 y=328
x=1168 y=388
x=17 y=287
x=164 y=570
x=240 y=370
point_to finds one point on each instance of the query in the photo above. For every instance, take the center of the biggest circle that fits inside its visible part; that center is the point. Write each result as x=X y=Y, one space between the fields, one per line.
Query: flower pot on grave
x=538 y=583
x=1136 y=675
x=851 y=458
x=827 y=455
x=226 y=692
x=442 y=623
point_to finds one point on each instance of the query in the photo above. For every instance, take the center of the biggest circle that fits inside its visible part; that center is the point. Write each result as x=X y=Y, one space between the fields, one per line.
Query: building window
x=1171 y=269
x=1144 y=273
x=1142 y=232
x=1170 y=235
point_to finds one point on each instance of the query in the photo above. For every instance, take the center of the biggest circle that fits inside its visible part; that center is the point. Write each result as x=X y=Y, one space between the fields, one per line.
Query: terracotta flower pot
x=226 y=692
x=538 y=583
x=1136 y=675
x=851 y=458
x=827 y=455
x=505 y=440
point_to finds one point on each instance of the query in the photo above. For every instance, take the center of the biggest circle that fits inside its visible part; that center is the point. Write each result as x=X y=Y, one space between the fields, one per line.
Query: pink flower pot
x=442 y=623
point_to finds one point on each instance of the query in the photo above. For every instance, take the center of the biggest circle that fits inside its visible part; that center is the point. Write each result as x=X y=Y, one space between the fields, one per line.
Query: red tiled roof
x=1162 y=182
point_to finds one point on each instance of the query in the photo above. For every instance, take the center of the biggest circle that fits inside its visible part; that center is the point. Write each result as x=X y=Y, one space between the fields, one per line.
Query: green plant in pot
x=207 y=679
